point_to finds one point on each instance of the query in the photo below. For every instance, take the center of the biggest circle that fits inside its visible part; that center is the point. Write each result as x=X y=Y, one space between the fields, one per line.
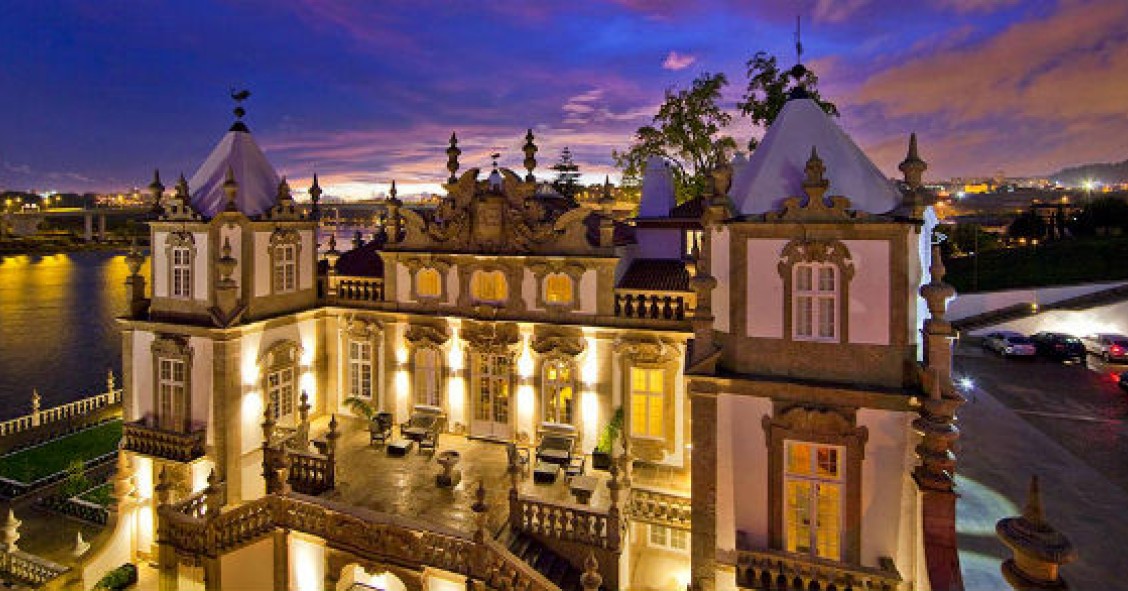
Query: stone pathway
x=1000 y=451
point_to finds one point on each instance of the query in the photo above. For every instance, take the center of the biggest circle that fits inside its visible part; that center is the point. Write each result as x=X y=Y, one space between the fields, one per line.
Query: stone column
x=36 y=420
x=102 y=228
x=88 y=227
x=282 y=562
x=703 y=515
x=1039 y=549
x=227 y=413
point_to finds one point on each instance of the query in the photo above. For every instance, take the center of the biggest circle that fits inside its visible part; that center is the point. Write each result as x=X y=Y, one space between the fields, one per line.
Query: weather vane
x=239 y=96
x=495 y=155
x=798 y=40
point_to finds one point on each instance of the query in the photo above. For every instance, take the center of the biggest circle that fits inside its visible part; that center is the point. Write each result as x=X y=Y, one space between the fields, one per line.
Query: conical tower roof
x=258 y=182
x=657 y=190
x=774 y=172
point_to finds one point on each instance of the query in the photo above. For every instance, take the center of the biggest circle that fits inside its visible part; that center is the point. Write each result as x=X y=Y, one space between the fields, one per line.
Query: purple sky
x=94 y=95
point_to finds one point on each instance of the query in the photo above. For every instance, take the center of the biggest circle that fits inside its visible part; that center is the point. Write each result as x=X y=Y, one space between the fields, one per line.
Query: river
x=57 y=327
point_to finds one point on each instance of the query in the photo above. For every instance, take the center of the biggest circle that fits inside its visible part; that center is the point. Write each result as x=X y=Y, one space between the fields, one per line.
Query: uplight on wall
x=456 y=399
x=589 y=373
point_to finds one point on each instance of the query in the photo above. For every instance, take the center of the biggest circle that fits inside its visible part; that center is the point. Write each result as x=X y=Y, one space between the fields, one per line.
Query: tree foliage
x=1027 y=225
x=1102 y=217
x=687 y=132
x=768 y=90
x=567 y=180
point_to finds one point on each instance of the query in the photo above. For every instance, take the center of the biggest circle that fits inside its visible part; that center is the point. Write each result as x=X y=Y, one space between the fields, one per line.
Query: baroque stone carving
x=815 y=206
x=548 y=341
x=435 y=334
x=491 y=337
x=816 y=251
x=650 y=350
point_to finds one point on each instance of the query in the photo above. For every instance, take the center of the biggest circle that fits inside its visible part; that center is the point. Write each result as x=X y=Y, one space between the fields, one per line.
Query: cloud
x=678 y=61
x=965 y=6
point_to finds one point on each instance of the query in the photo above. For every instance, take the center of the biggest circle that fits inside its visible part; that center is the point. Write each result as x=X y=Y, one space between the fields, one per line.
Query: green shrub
x=119 y=578
x=610 y=432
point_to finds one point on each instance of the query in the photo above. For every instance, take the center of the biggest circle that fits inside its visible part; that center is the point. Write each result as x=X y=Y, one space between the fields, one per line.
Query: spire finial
x=1033 y=509
x=393 y=192
x=912 y=166
x=239 y=96
x=530 y=150
x=452 y=158
x=798 y=40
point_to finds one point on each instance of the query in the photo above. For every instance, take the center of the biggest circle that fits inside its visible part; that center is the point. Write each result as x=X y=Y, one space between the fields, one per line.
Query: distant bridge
x=26 y=223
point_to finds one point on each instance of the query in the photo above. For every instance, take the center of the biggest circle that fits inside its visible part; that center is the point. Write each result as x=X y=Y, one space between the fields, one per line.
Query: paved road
x=1078 y=406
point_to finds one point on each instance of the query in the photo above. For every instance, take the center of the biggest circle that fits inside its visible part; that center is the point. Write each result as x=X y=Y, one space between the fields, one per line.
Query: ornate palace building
x=510 y=391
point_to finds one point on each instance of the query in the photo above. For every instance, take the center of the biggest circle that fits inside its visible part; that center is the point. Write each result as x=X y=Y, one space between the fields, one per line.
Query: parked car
x=1009 y=344
x=1123 y=381
x=1107 y=346
x=1057 y=345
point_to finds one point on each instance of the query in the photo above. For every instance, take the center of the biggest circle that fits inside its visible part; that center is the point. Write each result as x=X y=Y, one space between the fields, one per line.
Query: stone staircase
x=548 y=563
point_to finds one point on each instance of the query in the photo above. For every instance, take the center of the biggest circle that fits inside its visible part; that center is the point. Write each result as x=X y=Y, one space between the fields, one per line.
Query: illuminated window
x=814 y=316
x=427 y=283
x=558 y=390
x=360 y=369
x=427 y=376
x=172 y=394
x=492 y=378
x=647 y=402
x=285 y=267
x=693 y=240
x=814 y=482
x=489 y=286
x=280 y=393
x=668 y=538
x=558 y=289
x=181 y=272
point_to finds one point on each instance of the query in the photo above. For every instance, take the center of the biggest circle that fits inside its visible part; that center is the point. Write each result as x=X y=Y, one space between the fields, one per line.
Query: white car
x=1107 y=346
x=1009 y=344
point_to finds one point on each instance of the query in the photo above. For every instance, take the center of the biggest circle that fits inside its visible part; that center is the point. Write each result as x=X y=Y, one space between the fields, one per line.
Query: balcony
x=784 y=571
x=653 y=305
x=356 y=289
x=143 y=438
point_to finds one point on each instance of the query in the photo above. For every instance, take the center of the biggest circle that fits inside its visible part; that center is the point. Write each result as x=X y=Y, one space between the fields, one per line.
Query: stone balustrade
x=62 y=412
x=565 y=522
x=366 y=534
x=28 y=568
x=310 y=473
x=653 y=305
x=142 y=438
x=357 y=289
x=660 y=508
x=783 y=571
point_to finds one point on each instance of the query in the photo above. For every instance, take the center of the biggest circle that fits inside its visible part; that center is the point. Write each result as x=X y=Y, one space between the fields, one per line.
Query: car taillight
x=1059 y=346
x=1116 y=350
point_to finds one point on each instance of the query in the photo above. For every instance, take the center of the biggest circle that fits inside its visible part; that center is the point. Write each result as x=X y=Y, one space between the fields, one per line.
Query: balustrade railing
x=62 y=412
x=565 y=522
x=142 y=438
x=652 y=305
x=780 y=571
x=310 y=473
x=28 y=568
x=366 y=534
x=357 y=289
x=660 y=508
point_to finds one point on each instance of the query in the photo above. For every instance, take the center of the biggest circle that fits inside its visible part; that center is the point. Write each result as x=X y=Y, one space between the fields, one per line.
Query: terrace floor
x=368 y=477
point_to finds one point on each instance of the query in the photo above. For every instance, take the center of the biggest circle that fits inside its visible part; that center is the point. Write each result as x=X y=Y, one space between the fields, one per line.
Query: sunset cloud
x=677 y=61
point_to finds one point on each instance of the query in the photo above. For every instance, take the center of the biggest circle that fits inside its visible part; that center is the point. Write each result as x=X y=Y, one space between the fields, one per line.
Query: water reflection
x=57 y=329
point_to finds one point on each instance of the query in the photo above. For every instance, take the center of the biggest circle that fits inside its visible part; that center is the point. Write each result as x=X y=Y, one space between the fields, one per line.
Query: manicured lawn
x=1082 y=260
x=32 y=464
x=99 y=495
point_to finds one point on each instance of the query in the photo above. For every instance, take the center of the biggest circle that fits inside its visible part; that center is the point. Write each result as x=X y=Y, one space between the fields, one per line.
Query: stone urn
x=448 y=460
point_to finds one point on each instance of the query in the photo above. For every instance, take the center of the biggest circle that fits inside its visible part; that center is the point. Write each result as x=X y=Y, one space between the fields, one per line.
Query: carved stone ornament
x=815 y=206
x=434 y=335
x=491 y=337
x=817 y=424
x=647 y=349
x=558 y=342
x=816 y=251
x=363 y=329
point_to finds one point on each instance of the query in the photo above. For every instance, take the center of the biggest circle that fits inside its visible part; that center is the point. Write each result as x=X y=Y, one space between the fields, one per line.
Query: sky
x=95 y=95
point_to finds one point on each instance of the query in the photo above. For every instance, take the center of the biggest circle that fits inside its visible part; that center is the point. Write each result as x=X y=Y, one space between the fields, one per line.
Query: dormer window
x=489 y=287
x=816 y=302
x=285 y=248
x=181 y=272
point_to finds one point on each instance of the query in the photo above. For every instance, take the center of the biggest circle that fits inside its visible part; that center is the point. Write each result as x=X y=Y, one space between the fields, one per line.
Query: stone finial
x=936 y=293
x=182 y=188
x=530 y=150
x=213 y=497
x=156 y=189
x=332 y=436
x=815 y=172
x=912 y=166
x=11 y=531
x=285 y=197
x=80 y=546
x=226 y=264
x=1039 y=549
x=163 y=487
x=231 y=189
x=393 y=194
x=591 y=579
x=480 y=505
x=123 y=478
x=268 y=423
x=315 y=198
x=303 y=407
x=452 y=158
x=36 y=400
x=134 y=259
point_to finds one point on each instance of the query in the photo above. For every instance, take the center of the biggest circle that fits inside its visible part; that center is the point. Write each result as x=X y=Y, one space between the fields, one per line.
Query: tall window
x=814 y=483
x=669 y=538
x=280 y=393
x=360 y=369
x=558 y=391
x=558 y=289
x=427 y=376
x=172 y=394
x=181 y=272
x=647 y=401
x=489 y=286
x=493 y=377
x=285 y=267
x=427 y=283
x=816 y=302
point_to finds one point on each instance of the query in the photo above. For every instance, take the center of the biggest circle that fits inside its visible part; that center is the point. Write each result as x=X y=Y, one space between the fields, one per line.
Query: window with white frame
x=648 y=393
x=427 y=376
x=181 y=268
x=172 y=394
x=669 y=538
x=285 y=267
x=280 y=393
x=360 y=369
x=558 y=391
x=815 y=312
x=814 y=482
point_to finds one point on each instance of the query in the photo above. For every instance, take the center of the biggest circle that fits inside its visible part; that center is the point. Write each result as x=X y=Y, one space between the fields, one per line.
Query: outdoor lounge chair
x=557 y=442
x=424 y=426
x=380 y=428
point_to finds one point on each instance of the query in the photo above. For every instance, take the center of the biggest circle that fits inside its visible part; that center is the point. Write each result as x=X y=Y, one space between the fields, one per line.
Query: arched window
x=558 y=387
x=815 y=300
x=427 y=376
x=558 y=289
x=489 y=287
x=181 y=272
x=428 y=283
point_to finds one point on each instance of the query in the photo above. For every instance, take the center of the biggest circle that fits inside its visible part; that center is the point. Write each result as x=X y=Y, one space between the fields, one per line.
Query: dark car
x=1056 y=345
x=1123 y=381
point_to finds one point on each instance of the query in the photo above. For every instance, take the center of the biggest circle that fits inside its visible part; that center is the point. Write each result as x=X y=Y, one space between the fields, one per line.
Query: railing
x=357 y=289
x=193 y=506
x=569 y=523
x=366 y=534
x=141 y=438
x=310 y=473
x=660 y=508
x=653 y=305
x=29 y=568
x=63 y=412
x=781 y=571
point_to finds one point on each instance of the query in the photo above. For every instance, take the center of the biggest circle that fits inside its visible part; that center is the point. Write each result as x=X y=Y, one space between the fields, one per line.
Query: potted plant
x=361 y=406
x=601 y=455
